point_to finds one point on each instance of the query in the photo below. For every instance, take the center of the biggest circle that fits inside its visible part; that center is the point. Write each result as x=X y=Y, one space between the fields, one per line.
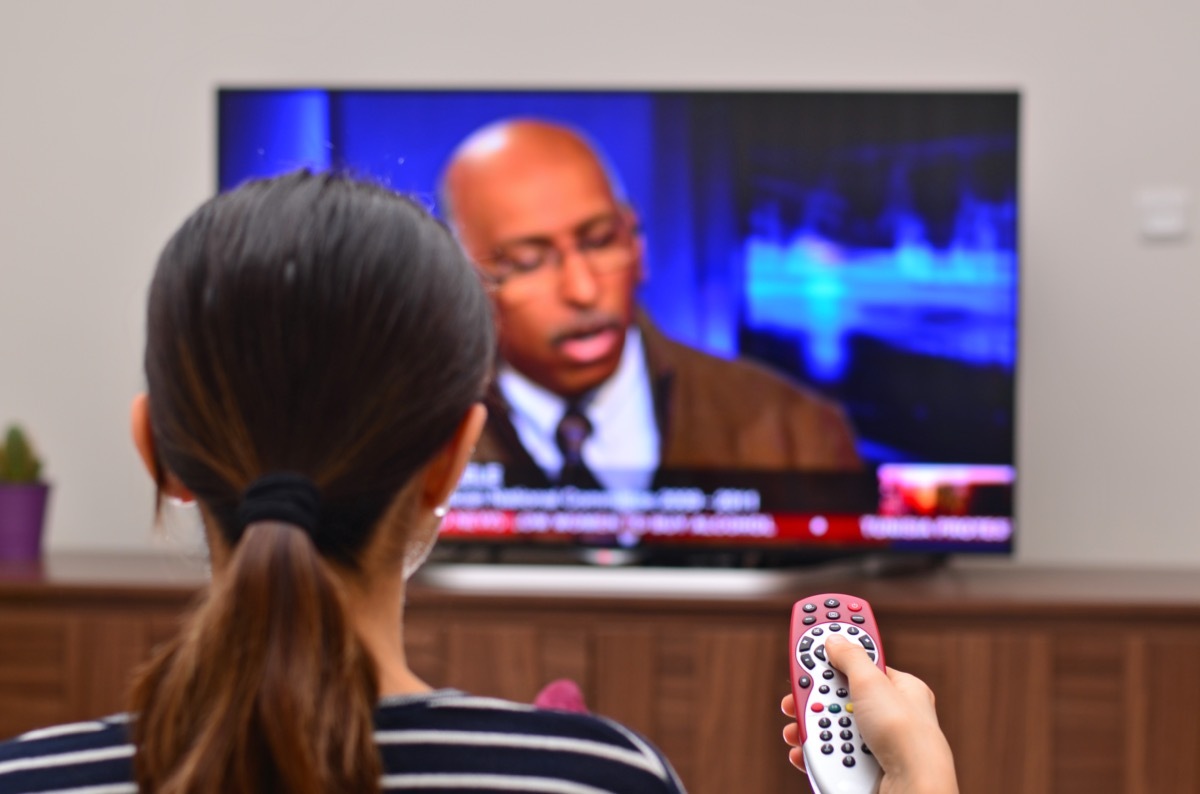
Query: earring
x=440 y=511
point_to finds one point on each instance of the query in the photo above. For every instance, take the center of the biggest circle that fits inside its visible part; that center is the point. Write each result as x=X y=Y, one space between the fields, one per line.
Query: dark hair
x=328 y=327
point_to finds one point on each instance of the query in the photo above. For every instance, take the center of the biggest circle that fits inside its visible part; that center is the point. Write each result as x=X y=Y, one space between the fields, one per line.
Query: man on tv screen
x=589 y=392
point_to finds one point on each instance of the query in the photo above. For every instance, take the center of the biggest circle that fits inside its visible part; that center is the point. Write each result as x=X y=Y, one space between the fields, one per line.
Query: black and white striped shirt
x=443 y=742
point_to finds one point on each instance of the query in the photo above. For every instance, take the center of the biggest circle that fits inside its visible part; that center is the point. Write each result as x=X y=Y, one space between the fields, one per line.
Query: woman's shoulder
x=66 y=757
x=486 y=736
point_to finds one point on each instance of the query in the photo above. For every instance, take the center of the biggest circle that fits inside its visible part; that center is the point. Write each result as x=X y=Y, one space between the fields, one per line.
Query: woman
x=317 y=349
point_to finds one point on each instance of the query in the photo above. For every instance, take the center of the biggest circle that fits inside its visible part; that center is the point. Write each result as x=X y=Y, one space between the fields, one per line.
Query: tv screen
x=778 y=322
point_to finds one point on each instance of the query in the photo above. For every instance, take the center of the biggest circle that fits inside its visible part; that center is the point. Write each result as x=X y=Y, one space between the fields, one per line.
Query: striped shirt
x=442 y=742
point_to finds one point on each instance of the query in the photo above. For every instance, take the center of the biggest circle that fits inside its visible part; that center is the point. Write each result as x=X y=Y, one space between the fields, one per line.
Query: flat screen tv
x=821 y=348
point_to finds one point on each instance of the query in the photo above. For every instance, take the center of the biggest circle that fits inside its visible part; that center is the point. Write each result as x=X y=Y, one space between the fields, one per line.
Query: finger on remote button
x=851 y=659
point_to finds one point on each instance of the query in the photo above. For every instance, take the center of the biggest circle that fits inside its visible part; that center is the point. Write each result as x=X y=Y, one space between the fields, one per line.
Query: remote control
x=835 y=756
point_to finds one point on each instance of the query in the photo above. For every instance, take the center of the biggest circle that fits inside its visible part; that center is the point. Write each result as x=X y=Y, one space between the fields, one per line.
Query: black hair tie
x=282 y=496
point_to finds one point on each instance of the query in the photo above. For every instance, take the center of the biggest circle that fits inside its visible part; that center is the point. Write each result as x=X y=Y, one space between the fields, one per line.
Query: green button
x=834 y=708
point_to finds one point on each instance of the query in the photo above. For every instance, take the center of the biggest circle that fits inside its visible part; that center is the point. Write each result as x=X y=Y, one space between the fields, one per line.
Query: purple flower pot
x=22 y=518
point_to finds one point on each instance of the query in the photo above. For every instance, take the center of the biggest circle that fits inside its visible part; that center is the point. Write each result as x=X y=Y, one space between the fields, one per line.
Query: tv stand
x=862 y=562
x=1048 y=680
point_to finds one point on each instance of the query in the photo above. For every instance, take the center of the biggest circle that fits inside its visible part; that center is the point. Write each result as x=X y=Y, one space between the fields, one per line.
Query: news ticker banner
x=909 y=503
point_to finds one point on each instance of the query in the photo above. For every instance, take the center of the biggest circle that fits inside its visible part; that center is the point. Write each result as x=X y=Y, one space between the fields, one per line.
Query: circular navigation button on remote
x=827 y=749
x=807 y=660
x=810 y=607
x=805 y=644
x=866 y=642
x=817 y=632
x=847 y=760
x=820 y=652
x=854 y=606
x=805 y=682
x=823 y=722
x=832 y=603
x=834 y=615
x=809 y=620
x=858 y=619
x=845 y=722
x=852 y=630
x=843 y=692
x=835 y=626
x=818 y=707
x=834 y=708
x=824 y=690
x=827 y=675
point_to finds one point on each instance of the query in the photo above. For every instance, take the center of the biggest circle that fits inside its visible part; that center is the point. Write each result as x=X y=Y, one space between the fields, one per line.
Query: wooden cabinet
x=1047 y=680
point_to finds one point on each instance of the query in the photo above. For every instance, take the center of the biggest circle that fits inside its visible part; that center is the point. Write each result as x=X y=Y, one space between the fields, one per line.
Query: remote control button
x=820 y=652
x=871 y=654
x=834 y=615
x=852 y=630
x=827 y=749
x=818 y=707
x=807 y=660
x=805 y=682
x=824 y=690
x=849 y=708
x=826 y=736
x=805 y=644
x=823 y=722
x=866 y=749
x=847 y=748
x=858 y=619
x=809 y=620
x=845 y=722
x=832 y=603
x=810 y=607
x=835 y=626
x=866 y=642
x=847 y=735
x=834 y=708
x=817 y=632
x=854 y=606
x=847 y=760
x=843 y=692
x=827 y=675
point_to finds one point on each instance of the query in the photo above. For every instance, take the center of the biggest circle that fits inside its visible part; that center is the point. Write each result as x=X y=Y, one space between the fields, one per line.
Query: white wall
x=107 y=139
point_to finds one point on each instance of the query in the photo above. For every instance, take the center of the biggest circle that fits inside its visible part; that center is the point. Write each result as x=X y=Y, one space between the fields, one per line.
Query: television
x=860 y=245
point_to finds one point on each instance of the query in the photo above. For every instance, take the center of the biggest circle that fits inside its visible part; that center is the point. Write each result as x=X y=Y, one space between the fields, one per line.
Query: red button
x=818 y=707
x=854 y=606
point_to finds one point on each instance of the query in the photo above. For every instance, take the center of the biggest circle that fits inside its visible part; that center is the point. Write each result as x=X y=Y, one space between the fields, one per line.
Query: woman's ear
x=444 y=472
x=143 y=440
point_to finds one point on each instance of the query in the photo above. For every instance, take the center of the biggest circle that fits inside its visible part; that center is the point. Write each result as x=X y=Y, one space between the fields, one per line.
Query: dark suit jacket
x=712 y=414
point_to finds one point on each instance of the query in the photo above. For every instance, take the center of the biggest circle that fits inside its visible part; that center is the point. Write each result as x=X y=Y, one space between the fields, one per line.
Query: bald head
x=517 y=159
x=527 y=191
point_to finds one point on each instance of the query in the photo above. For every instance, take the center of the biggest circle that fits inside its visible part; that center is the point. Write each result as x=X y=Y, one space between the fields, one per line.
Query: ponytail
x=267 y=688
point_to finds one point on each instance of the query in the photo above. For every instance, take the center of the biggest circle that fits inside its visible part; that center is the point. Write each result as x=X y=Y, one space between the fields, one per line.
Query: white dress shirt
x=622 y=451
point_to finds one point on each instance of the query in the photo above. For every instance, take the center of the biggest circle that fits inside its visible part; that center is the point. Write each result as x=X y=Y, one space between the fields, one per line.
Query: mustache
x=587 y=325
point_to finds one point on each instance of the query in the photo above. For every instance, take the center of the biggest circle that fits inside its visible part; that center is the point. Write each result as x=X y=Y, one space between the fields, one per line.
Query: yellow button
x=849 y=708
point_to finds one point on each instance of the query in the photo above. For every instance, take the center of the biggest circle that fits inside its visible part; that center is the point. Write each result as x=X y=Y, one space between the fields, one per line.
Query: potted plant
x=23 y=498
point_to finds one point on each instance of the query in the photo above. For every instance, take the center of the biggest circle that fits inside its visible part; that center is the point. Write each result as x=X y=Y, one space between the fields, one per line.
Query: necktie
x=573 y=429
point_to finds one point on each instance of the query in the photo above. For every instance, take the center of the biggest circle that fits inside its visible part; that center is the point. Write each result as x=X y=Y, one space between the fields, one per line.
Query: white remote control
x=835 y=756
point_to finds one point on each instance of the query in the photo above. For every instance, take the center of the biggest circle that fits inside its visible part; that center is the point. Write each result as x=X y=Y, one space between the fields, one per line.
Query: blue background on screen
x=864 y=243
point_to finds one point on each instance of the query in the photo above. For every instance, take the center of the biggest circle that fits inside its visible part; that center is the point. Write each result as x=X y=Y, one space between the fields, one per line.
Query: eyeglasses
x=604 y=242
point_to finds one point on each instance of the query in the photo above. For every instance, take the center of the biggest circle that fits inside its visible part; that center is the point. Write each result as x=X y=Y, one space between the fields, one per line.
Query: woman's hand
x=896 y=716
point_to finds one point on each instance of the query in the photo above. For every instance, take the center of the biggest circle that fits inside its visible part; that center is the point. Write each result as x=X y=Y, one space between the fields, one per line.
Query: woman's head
x=312 y=324
x=325 y=342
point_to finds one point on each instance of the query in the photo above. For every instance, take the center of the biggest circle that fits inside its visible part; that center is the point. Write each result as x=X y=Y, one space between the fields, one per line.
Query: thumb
x=852 y=660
